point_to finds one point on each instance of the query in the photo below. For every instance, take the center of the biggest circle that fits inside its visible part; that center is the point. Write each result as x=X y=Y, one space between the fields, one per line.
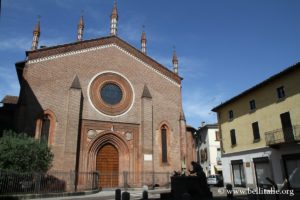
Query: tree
x=21 y=153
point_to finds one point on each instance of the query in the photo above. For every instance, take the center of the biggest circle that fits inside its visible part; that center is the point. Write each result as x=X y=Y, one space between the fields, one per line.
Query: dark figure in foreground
x=198 y=170
x=195 y=186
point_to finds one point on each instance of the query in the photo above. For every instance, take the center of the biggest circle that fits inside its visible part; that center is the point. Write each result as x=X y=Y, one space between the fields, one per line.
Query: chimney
x=203 y=124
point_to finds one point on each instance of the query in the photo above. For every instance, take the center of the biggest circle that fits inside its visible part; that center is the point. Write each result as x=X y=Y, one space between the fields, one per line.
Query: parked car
x=215 y=180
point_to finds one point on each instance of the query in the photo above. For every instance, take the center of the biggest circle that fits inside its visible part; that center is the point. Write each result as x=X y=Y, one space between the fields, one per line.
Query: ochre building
x=260 y=133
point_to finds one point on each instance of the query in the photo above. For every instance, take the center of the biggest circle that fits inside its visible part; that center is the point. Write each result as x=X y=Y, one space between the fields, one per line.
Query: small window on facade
x=280 y=92
x=255 y=129
x=252 y=104
x=230 y=114
x=219 y=162
x=45 y=129
x=164 y=147
x=232 y=136
x=205 y=154
x=218 y=136
x=202 y=155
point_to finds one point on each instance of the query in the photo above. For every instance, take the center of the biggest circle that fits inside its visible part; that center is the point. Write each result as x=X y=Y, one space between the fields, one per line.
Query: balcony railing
x=280 y=136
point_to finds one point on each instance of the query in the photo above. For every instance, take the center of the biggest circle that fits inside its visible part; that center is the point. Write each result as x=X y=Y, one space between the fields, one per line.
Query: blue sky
x=223 y=47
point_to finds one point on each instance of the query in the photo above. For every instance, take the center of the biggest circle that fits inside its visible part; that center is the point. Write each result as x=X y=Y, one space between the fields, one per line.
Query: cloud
x=15 y=44
x=95 y=32
x=190 y=67
x=131 y=29
x=66 y=4
x=197 y=100
x=17 y=5
x=24 y=43
x=197 y=106
x=53 y=41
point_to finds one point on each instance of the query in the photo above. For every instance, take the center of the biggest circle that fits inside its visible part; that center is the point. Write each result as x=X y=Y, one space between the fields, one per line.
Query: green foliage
x=21 y=153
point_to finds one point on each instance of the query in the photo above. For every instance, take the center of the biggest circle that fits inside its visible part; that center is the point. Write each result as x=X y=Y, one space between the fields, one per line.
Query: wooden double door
x=107 y=164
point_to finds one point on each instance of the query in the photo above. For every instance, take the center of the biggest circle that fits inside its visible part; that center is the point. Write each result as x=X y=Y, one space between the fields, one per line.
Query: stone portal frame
x=124 y=136
x=39 y=123
x=118 y=142
x=108 y=138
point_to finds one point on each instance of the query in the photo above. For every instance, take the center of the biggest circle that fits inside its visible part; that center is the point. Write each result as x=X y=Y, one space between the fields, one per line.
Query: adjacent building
x=191 y=144
x=7 y=112
x=260 y=132
x=208 y=149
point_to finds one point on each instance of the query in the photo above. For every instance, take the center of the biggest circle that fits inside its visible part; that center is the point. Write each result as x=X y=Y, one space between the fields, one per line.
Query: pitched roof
x=80 y=45
x=272 y=78
x=207 y=126
x=10 y=99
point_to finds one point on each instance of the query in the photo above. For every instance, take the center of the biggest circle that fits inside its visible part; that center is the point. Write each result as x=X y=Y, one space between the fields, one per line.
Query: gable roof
x=81 y=45
x=272 y=78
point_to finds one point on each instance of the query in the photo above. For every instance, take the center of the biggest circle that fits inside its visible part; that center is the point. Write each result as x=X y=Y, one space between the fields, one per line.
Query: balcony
x=281 y=136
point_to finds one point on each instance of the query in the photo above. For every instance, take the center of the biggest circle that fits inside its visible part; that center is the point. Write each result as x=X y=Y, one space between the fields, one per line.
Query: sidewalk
x=110 y=195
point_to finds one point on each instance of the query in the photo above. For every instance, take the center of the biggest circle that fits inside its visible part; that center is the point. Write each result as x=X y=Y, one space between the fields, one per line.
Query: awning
x=218 y=168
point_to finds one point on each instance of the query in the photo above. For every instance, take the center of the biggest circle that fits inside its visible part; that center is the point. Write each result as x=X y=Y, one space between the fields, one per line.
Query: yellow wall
x=267 y=113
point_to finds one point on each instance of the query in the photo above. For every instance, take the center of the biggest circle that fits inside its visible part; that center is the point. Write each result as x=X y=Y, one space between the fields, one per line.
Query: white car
x=215 y=180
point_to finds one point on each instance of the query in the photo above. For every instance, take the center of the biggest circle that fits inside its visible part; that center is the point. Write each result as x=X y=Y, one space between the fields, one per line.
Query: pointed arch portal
x=109 y=155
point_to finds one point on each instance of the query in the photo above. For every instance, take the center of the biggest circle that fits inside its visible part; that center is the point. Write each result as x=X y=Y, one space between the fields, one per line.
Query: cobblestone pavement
x=110 y=195
x=218 y=193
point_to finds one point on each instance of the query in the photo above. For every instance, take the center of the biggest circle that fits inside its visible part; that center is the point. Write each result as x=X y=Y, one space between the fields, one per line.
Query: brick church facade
x=103 y=105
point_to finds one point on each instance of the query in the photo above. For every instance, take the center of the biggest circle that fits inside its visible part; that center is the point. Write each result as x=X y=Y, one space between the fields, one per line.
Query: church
x=104 y=106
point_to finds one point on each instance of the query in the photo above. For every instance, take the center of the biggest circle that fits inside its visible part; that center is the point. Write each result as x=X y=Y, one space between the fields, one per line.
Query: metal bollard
x=186 y=196
x=229 y=191
x=118 y=194
x=145 y=195
x=125 y=196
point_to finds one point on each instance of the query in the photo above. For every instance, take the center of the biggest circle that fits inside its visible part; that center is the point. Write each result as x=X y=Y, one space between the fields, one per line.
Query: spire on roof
x=80 y=28
x=114 y=20
x=143 y=41
x=36 y=35
x=175 y=62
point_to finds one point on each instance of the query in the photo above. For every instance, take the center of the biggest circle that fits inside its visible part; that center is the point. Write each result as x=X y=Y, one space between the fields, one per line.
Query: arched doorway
x=107 y=163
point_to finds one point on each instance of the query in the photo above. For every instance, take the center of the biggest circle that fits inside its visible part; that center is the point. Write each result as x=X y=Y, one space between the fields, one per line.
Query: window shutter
x=232 y=135
x=255 y=129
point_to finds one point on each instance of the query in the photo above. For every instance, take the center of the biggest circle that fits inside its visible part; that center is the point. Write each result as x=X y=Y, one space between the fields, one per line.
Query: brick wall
x=48 y=87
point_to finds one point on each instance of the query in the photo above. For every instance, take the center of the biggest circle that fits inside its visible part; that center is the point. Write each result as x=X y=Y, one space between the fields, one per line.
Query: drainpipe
x=152 y=151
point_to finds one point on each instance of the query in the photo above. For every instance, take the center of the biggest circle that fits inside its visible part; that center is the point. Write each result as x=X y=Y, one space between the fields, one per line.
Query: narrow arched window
x=164 y=145
x=45 y=128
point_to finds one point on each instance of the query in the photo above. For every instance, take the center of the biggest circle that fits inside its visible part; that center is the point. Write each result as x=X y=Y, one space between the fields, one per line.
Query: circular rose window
x=111 y=93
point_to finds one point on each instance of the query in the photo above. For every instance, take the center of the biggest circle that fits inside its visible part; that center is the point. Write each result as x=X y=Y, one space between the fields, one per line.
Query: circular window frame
x=109 y=77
